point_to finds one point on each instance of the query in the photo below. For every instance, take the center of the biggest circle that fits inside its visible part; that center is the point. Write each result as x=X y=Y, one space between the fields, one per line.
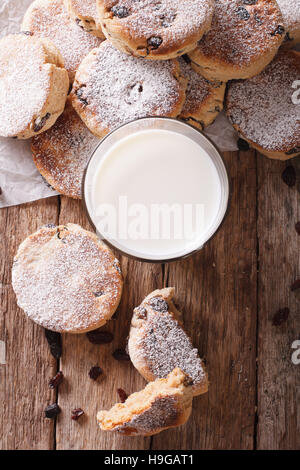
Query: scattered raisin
x=117 y=266
x=121 y=355
x=289 y=176
x=54 y=341
x=95 y=372
x=167 y=20
x=243 y=145
x=40 y=122
x=154 y=42
x=51 y=411
x=250 y=2
x=49 y=226
x=279 y=30
x=295 y=285
x=293 y=150
x=120 y=11
x=122 y=394
x=56 y=380
x=297 y=227
x=243 y=13
x=99 y=337
x=281 y=316
x=76 y=413
x=158 y=304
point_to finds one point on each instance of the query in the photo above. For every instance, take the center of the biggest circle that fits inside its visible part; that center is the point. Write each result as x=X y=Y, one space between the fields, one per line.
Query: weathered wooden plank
x=24 y=391
x=279 y=266
x=216 y=290
x=79 y=355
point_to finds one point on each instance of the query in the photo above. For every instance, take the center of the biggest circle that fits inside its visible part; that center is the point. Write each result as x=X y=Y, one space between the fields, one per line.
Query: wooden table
x=229 y=293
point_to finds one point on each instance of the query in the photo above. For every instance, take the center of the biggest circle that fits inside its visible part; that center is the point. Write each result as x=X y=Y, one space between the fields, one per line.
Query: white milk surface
x=139 y=174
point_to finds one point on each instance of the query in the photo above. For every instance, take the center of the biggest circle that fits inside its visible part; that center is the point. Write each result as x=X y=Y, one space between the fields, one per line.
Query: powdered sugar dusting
x=120 y=88
x=24 y=83
x=65 y=280
x=197 y=89
x=291 y=13
x=262 y=107
x=62 y=152
x=164 y=345
x=49 y=19
x=171 y=19
x=240 y=31
x=85 y=8
x=162 y=413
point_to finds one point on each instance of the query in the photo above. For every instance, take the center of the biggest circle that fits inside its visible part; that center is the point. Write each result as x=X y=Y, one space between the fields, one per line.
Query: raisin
x=49 y=226
x=122 y=394
x=54 y=341
x=51 y=411
x=40 y=122
x=158 y=304
x=249 y=2
x=0 y=191
x=99 y=293
x=295 y=285
x=76 y=413
x=95 y=372
x=279 y=30
x=121 y=355
x=289 y=176
x=297 y=227
x=79 y=94
x=27 y=33
x=186 y=58
x=154 y=42
x=243 y=145
x=281 y=316
x=117 y=266
x=293 y=150
x=99 y=337
x=120 y=11
x=257 y=19
x=243 y=13
x=167 y=20
x=141 y=312
x=56 y=380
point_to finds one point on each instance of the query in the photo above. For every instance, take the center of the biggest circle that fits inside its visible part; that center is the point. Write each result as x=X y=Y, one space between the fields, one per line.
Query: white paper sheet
x=20 y=181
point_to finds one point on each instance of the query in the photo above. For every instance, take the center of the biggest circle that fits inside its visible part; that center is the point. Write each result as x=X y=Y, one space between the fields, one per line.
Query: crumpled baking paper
x=20 y=181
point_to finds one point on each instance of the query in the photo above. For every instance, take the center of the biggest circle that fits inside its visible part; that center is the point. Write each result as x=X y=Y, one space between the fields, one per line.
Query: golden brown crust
x=66 y=279
x=204 y=99
x=162 y=404
x=85 y=14
x=243 y=39
x=155 y=30
x=264 y=111
x=25 y=110
x=61 y=153
x=158 y=343
x=145 y=89
x=291 y=15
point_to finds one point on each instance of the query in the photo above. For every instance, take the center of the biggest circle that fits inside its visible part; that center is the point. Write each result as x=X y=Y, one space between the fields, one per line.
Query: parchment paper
x=20 y=181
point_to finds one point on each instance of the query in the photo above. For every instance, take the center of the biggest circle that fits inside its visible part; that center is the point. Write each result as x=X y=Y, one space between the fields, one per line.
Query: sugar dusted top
x=262 y=106
x=49 y=19
x=24 y=82
x=197 y=88
x=85 y=7
x=62 y=152
x=65 y=279
x=172 y=20
x=242 y=30
x=117 y=88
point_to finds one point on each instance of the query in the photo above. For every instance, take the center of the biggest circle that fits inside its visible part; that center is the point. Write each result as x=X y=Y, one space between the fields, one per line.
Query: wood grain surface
x=228 y=293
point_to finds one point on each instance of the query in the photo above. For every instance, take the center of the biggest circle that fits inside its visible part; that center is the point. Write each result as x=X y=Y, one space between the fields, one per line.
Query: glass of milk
x=156 y=189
